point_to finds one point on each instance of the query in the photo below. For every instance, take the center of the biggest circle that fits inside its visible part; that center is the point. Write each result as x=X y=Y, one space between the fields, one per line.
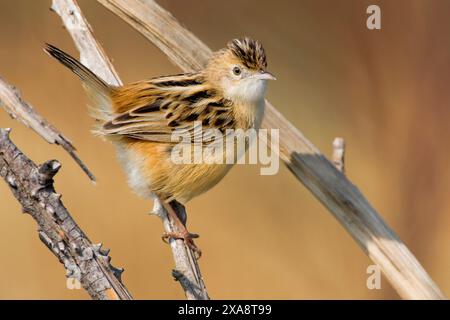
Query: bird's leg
x=180 y=210
x=178 y=217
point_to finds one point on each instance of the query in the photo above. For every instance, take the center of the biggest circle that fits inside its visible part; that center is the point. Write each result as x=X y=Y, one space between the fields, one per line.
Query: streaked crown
x=250 y=52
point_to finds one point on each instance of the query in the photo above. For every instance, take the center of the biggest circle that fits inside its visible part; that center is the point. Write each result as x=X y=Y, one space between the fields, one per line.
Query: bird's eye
x=237 y=71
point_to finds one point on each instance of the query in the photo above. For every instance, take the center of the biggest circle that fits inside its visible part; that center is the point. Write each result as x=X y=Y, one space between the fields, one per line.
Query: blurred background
x=386 y=92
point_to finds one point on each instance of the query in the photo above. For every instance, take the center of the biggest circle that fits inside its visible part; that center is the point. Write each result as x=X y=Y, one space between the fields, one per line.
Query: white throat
x=249 y=90
x=248 y=98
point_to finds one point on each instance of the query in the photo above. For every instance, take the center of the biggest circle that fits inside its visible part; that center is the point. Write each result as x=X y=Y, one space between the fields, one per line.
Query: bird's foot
x=188 y=239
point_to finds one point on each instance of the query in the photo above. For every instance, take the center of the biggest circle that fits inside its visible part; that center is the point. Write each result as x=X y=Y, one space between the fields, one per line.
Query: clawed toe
x=187 y=238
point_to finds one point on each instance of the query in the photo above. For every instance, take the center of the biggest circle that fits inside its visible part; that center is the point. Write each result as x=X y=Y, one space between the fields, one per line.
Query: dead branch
x=20 y=110
x=338 y=156
x=315 y=171
x=187 y=270
x=33 y=187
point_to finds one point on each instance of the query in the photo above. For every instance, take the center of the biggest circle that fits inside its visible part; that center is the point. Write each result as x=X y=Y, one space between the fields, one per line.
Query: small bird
x=140 y=118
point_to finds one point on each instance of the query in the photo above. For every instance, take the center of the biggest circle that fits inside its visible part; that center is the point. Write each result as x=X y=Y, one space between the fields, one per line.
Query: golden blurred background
x=386 y=92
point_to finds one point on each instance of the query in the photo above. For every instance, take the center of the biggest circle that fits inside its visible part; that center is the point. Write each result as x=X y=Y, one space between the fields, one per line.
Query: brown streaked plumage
x=139 y=118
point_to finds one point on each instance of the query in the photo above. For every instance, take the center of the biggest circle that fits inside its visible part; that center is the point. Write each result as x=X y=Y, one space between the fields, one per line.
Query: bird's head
x=240 y=70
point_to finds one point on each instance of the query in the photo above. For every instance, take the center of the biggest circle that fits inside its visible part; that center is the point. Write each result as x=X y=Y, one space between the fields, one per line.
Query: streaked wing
x=152 y=110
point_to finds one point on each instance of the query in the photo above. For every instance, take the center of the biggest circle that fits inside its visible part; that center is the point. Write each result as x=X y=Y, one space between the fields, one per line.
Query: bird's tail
x=97 y=89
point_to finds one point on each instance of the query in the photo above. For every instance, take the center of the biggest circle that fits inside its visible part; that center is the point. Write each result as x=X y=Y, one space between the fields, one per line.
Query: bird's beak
x=265 y=75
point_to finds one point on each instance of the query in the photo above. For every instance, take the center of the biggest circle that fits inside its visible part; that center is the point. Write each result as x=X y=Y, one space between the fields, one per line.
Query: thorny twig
x=32 y=186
